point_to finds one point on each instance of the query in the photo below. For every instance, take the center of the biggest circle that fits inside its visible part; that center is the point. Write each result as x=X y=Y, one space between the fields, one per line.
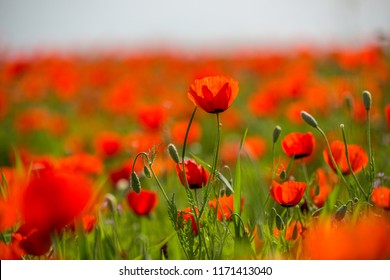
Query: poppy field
x=255 y=154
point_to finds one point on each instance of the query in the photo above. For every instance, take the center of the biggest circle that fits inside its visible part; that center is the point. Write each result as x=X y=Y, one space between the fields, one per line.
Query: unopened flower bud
x=340 y=213
x=276 y=134
x=173 y=153
x=135 y=183
x=309 y=119
x=367 y=100
x=111 y=202
x=147 y=172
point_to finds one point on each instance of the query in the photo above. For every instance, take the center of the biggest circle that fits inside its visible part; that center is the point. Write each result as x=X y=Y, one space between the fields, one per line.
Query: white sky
x=35 y=24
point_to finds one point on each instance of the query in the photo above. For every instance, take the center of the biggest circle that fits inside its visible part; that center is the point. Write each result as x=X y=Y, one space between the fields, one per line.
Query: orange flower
x=214 y=94
x=178 y=132
x=82 y=162
x=357 y=157
x=196 y=175
x=298 y=145
x=366 y=239
x=152 y=117
x=321 y=190
x=187 y=216
x=143 y=203
x=108 y=144
x=54 y=198
x=290 y=231
x=225 y=206
x=381 y=197
x=10 y=251
x=288 y=193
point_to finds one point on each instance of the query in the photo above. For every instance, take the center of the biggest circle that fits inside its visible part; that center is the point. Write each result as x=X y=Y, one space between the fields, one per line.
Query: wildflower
x=356 y=155
x=322 y=187
x=365 y=239
x=188 y=217
x=288 y=193
x=298 y=145
x=225 y=206
x=32 y=240
x=143 y=203
x=214 y=94
x=381 y=197
x=54 y=198
x=387 y=112
x=152 y=117
x=108 y=144
x=196 y=175
x=290 y=234
x=179 y=129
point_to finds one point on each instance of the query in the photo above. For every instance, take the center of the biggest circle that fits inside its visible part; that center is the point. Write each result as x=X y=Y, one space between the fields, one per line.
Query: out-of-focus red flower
x=254 y=147
x=88 y=223
x=288 y=193
x=322 y=187
x=381 y=197
x=196 y=175
x=225 y=206
x=32 y=240
x=387 y=112
x=152 y=117
x=108 y=144
x=366 y=239
x=357 y=157
x=263 y=104
x=3 y=104
x=298 y=145
x=84 y=163
x=10 y=251
x=187 y=216
x=118 y=99
x=54 y=198
x=214 y=94
x=293 y=226
x=143 y=203
x=178 y=132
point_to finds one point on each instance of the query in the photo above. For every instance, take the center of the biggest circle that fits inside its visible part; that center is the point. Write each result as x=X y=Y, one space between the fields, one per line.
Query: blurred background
x=188 y=25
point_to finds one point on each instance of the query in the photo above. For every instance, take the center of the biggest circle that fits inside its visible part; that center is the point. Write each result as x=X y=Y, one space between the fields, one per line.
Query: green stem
x=349 y=163
x=370 y=155
x=339 y=173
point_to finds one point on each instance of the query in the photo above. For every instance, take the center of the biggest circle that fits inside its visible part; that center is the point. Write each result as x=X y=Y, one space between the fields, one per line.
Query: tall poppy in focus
x=298 y=145
x=143 y=203
x=356 y=155
x=196 y=175
x=289 y=193
x=381 y=197
x=214 y=94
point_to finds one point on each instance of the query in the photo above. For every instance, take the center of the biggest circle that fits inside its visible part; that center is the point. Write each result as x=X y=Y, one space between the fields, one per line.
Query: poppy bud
x=309 y=119
x=276 y=134
x=367 y=100
x=340 y=213
x=135 y=183
x=173 y=153
x=147 y=172
x=283 y=175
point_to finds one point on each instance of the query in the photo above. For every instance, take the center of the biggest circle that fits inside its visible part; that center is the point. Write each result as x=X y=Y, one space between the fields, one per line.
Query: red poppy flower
x=387 y=112
x=321 y=189
x=108 y=144
x=288 y=193
x=10 y=251
x=225 y=206
x=357 y=157
x=143 y=203
x=381 y=197
x=298 y=145
x=54 y=198
x=365 y=239
x=152 y=117
x=32 y=240
x=290 y=231
x=214 y=94
x=197 y=176
x=178 y=132
x=188 y=216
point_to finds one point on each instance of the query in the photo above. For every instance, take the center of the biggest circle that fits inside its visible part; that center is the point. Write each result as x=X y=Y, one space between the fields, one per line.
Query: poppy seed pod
x=309 y=119
x=367 y=100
